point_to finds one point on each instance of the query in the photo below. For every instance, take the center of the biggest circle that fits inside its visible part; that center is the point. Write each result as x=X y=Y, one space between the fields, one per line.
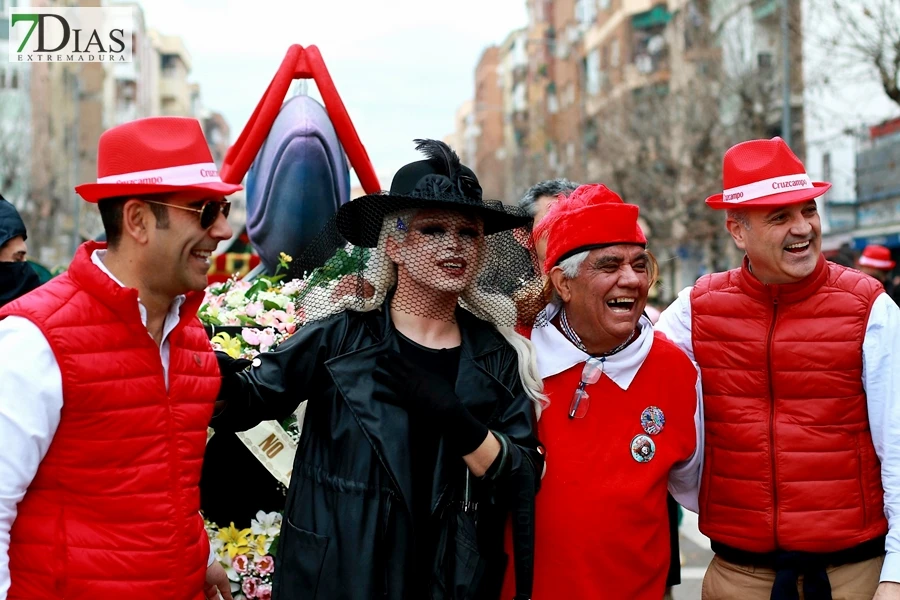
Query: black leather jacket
x=347 y=532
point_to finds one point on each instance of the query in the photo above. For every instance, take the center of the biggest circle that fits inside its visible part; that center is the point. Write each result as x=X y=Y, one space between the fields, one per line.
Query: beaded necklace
x=575 y=339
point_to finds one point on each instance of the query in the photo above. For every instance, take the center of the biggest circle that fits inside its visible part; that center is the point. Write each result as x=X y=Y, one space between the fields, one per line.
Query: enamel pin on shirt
x=653 y=420
x=642 y=448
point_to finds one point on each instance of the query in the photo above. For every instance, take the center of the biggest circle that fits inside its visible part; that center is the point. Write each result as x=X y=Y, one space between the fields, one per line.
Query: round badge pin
x=653 y=420
x=642 y=448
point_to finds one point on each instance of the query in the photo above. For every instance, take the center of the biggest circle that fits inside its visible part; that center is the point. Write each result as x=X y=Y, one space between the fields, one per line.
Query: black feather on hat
x=439 y=181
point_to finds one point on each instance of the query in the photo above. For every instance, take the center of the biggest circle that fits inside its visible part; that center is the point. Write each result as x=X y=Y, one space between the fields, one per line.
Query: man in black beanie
x=17 y=277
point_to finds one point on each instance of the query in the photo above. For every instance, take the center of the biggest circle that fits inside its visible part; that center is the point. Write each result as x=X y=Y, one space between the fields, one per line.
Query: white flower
x=233 y=576
x=292 y=287
x=217 y=544
x=236 y=299
x=268 y=524
x=274 y=297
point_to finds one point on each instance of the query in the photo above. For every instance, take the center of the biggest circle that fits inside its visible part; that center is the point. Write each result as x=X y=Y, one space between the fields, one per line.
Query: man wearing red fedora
x=623 y=422
x=800 y=489
x=877 y=261
x=109 y=383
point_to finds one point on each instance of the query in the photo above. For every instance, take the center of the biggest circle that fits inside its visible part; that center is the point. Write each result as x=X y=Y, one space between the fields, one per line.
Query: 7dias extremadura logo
x=71 y=34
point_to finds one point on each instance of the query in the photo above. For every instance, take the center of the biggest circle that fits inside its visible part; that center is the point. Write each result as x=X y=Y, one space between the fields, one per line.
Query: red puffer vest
x=789 y=461
x=113 y=511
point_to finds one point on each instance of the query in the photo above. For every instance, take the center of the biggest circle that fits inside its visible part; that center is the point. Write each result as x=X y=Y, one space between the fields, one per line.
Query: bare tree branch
x=868 y=34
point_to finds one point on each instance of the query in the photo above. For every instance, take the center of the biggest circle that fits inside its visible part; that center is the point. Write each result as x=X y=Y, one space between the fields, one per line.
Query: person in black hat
x=419 y=435
x=17 y=277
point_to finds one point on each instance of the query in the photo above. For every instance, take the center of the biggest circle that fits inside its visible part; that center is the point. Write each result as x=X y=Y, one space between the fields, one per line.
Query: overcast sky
x=402 y=67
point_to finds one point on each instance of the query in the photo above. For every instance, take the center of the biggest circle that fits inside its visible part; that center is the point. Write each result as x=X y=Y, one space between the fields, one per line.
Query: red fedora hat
x=877 y=257
x=155 y=155
x=764 y=173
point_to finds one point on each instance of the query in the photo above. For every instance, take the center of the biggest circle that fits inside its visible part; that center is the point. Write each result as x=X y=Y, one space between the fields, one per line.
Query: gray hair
x=570 y=268
x=572 y=265
x=549 y=187
x=739 y=215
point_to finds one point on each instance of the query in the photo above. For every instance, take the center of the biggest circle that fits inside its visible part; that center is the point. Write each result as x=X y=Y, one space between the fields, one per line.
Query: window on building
x=552 y=103
x=585 y=11
x=603 y=4
x=826 y=166
x=764 y=61
x=592 y=72
x=14 y=79
x=2 y=79
x=520 y=100
x=650 y=53
x=614 y=53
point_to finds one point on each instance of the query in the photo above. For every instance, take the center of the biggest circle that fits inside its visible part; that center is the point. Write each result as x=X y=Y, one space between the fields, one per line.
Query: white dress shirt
x=31 y=401
x=881 y=381
x=556 y=354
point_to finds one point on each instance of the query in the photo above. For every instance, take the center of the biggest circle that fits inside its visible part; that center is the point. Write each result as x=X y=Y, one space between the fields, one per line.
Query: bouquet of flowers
x=248 y=555
x=260 y=314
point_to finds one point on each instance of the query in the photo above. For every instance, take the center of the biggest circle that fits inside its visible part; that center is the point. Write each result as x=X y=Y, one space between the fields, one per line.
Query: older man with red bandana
x=623 y=423
x=800 y=361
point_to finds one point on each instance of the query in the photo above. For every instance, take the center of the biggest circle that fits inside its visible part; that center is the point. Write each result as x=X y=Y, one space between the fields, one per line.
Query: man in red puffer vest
x=798 y=358
x=109 y=383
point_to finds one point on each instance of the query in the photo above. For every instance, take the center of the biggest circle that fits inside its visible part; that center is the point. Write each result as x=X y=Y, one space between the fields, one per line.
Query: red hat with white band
x=877 y=257
x=593 y=216
x=764 y=173
x=156 y=155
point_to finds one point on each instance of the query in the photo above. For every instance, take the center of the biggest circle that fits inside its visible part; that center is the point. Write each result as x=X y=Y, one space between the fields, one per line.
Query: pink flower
x=240 y=563
x=250 y=587
x=266 y=319
x=265 y=565
x=251 y=336
x=264 y=592
x=290 y=328
x=289 y=309
x=253 y=309
x=266 y=339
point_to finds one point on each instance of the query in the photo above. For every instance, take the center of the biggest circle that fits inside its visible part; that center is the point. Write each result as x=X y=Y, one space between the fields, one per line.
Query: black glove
x=230 y=366
x=430 y=399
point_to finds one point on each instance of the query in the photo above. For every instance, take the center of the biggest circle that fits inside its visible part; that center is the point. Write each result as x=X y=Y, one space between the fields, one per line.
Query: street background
x=643 y=95
x=696 y=552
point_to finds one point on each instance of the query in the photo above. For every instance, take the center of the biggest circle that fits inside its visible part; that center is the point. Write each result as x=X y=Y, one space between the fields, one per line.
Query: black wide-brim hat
x=438 y=182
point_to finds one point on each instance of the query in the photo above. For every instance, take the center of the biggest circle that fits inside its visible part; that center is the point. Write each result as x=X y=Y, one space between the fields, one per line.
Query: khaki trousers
x=728 y=581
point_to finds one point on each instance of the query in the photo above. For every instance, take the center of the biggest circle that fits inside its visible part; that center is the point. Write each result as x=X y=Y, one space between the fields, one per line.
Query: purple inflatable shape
x=297 y=182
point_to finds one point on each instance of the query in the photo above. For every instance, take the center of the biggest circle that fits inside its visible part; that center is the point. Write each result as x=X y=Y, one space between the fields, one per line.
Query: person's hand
x=887 y=590
x=430 y=400
x=230 y=366
x=217 y=582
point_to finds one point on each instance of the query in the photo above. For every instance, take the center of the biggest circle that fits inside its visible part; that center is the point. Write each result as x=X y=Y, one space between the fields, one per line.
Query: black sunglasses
x=209 y=212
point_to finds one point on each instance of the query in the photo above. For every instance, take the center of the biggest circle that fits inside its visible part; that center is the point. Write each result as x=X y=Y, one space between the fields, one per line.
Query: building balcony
x=174 y=88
